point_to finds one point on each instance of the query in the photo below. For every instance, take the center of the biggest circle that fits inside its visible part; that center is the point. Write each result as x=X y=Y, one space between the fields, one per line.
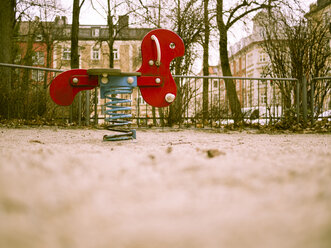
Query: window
x=262 y=57
x=66 y=53
x=38 y=58
x=116 y=54
x=37 y=76
x=39 y=37
x=326 y=18
x=95 y=54
x=18 y=58
x=250 y=59
x=215 y=83
x=95 y=32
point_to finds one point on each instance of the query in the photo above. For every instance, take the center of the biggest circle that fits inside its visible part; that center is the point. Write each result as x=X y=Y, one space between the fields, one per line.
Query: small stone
x=36 y=141
x=151 y=156
x=214 y=153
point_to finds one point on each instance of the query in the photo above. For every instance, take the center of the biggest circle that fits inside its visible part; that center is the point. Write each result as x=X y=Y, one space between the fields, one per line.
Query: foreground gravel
x=167 y=189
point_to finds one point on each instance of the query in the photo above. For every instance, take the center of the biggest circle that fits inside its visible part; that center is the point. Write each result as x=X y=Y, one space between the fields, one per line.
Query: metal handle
x=158 y=49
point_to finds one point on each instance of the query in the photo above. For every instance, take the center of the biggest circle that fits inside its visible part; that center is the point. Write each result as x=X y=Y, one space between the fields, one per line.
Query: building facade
x=248 y=59
x=94 y=51
x=48 y=44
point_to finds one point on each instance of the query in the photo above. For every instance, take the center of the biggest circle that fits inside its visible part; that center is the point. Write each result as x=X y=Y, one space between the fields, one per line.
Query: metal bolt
x=170 y=97
x=130 y=80
x=75 y=80
x=151 y=62
x=157 y=80
x=104 y=80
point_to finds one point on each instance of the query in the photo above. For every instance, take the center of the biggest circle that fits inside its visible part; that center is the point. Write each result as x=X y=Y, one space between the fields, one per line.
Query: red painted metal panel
x=171 y=46
x=65 y=86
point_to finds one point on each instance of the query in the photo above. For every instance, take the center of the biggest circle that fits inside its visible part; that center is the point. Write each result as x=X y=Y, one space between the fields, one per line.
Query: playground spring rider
x=157 y=86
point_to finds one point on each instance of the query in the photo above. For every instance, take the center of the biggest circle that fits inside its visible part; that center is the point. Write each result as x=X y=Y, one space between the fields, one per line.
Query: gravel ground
x=167 y=189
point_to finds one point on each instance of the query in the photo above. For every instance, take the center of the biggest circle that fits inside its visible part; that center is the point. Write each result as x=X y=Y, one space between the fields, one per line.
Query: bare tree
x=25 y=27
x=205 y=45
x=49 y=30
x=117 y=18
x=74 y=62
x=188 y=24
x=7 y=24
x=152 y=13
x=226 y=18
x=77 y=4
x=297 y=48
x=186 y=19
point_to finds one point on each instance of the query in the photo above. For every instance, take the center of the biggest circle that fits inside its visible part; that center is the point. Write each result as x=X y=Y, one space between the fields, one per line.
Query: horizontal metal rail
x=31 y=67
x=321 y=78
x=242 y=78
x=255 y=95
x=175 y=76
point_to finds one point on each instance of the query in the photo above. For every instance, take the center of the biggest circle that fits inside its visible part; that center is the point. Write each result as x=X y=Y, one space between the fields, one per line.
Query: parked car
x=256 y=115
x=325 y=115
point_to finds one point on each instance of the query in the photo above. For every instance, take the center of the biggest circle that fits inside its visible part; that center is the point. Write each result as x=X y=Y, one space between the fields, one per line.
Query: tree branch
x=81 y=4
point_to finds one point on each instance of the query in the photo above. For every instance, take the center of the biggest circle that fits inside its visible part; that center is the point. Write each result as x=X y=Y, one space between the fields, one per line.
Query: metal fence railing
x=26 y=96
x=320 y=98
x=263 y=101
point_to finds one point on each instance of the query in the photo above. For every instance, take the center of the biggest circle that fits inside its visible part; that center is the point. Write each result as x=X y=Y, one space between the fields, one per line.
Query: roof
x=60 y=30
x=316 y=7
x=86 y=33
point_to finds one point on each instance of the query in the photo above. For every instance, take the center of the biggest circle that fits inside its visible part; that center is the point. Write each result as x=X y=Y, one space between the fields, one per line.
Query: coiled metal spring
x=116 y=115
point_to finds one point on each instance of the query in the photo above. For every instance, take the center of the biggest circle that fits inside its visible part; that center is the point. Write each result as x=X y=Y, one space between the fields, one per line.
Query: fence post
x=312 y=89
x=70 y=113
x=304 y=99
x=80 y=108
x=96 y=107
x=87 y=108
x=298 y=101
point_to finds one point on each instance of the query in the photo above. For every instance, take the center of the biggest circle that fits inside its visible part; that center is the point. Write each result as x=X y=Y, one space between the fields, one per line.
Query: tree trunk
x=225 y=65
x=161 y=114
x=205 y=100
x=7 y=23
x=154 y=116
x=110 y=36
x=229 y=83
x=74 y=35
x=175 y=109
x=74 y=63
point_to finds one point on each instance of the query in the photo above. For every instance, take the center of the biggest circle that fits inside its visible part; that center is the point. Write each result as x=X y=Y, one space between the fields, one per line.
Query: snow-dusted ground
x=167 y=189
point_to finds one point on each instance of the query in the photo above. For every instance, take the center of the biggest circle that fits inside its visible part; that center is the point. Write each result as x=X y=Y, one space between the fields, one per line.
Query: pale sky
x=89 y=16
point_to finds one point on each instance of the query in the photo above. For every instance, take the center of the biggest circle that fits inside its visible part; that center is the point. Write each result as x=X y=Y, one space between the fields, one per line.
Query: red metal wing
x=159 y=47
x=66 y=85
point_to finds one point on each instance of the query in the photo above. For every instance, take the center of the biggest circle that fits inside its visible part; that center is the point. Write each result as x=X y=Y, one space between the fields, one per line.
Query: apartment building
x=248 y=59
x=33 y=48
x=321 y=12
x=48 y=44
x=94 y=51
